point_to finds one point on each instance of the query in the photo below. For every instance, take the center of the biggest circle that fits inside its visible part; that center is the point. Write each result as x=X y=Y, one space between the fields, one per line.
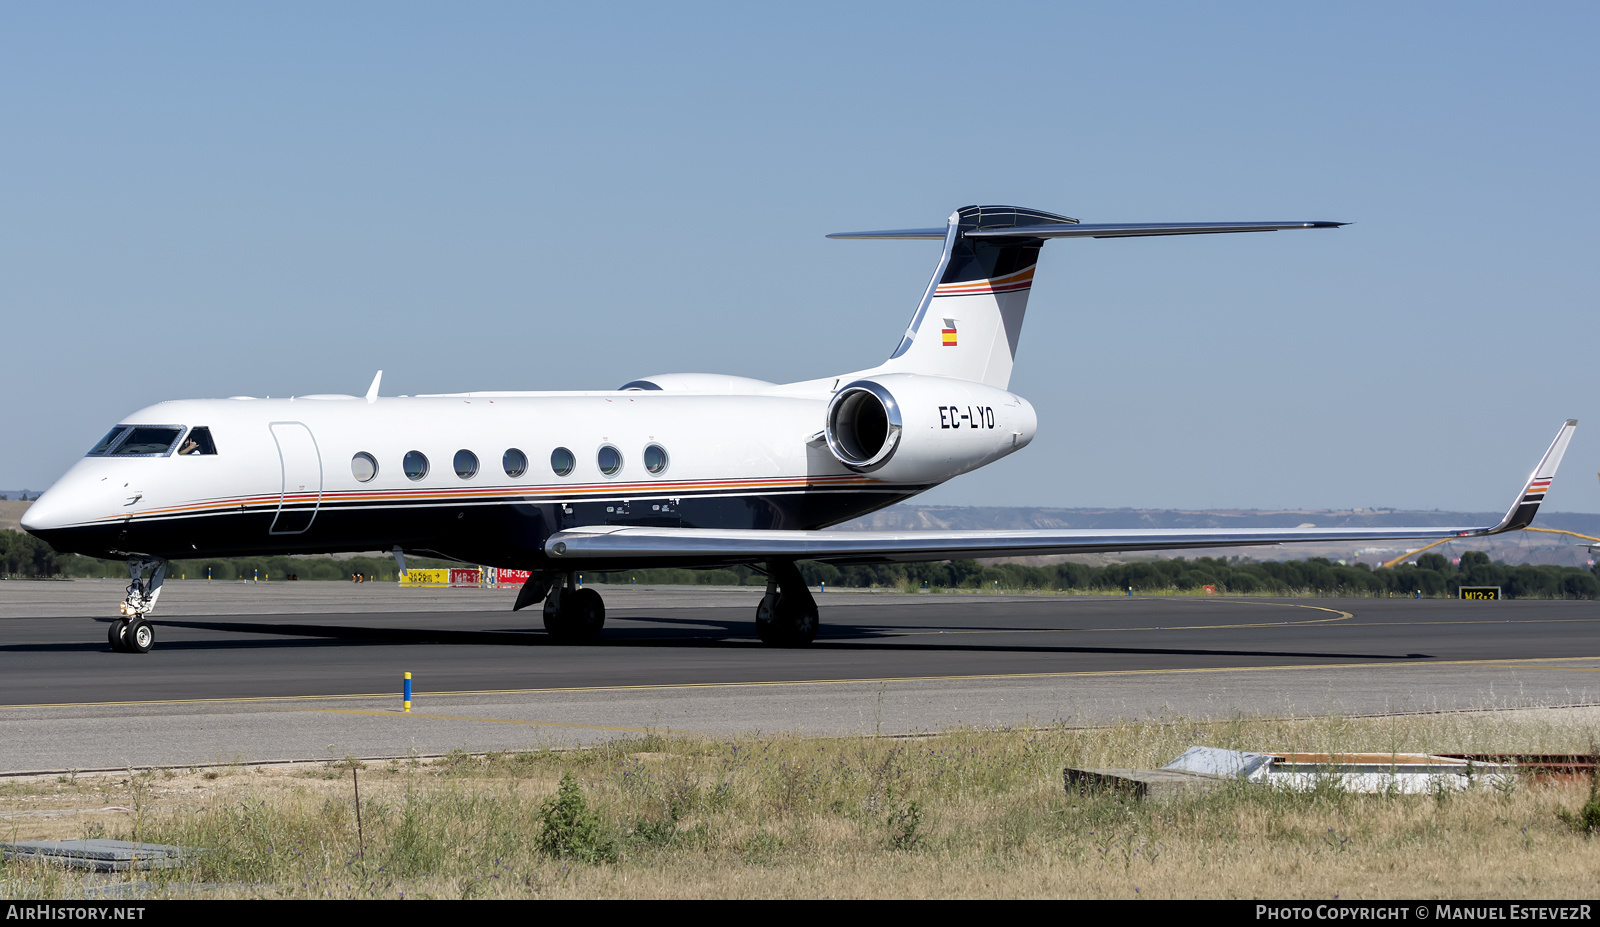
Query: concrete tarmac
x=305 y=671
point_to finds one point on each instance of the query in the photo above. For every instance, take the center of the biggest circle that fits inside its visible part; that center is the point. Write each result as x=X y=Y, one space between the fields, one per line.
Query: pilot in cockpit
x=198 y=442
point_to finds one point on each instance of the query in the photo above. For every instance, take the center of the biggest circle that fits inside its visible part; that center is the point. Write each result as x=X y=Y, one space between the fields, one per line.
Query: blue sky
x=211 y=200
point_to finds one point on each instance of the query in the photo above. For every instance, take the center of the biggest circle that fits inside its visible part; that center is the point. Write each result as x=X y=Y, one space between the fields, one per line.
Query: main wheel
x=117 y=635
x=588 y=614
x=140 y=637
x=783 y=622
x=580 y=616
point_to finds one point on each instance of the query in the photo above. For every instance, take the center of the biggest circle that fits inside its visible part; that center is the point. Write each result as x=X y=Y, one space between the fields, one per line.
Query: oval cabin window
x=364 y=467
x=562 y=461
x=515 y=463
x=415 y=465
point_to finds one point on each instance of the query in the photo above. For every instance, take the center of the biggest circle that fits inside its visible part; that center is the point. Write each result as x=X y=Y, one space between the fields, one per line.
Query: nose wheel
x=134 y=635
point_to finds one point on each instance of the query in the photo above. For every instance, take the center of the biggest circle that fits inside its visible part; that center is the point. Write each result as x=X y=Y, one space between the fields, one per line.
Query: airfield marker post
x=405 y=698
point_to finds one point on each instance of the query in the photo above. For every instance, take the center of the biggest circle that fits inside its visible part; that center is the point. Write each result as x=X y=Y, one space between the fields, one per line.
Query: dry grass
x=971 y=813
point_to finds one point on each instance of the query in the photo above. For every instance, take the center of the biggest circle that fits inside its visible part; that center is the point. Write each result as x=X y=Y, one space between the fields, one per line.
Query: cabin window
x=148 y=441
x=515 y=463
x=562 y=461
x=363 y=467
x=106 y=442
x=415 y=465
x=466 y=464
x=655 y=458
x=198 y=442
x=610 y=460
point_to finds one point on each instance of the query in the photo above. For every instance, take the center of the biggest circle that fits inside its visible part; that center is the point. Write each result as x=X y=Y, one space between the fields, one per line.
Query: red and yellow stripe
x=1010 y=283
x=499 y=493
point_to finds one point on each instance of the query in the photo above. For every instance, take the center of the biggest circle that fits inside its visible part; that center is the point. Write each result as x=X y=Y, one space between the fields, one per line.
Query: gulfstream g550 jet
x=684 y=469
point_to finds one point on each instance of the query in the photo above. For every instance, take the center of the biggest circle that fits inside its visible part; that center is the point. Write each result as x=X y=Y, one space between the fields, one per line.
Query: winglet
x=372 y=391
x=1527 y=505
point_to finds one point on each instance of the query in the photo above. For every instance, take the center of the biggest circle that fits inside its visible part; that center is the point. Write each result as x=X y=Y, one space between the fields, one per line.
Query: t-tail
x=969 y=321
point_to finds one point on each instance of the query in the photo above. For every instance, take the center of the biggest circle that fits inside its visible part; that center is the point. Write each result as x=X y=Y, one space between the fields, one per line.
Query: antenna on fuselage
x=372 y=391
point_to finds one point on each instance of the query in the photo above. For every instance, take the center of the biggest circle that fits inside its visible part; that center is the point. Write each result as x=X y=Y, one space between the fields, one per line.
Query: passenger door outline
x=300 y=462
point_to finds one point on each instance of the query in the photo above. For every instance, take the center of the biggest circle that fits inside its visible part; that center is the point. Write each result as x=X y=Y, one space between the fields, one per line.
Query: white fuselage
x=285 y=477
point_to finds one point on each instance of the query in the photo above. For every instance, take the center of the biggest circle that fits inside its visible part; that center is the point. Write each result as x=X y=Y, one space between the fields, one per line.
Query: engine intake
x=864 y=425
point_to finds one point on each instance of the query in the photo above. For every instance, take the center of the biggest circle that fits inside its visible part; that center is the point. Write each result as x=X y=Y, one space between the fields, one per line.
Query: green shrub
x=573 y=831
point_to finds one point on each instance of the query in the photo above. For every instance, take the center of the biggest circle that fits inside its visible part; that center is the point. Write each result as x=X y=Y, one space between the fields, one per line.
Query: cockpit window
x=106 y=442
x=148 y=441
x=198 y=442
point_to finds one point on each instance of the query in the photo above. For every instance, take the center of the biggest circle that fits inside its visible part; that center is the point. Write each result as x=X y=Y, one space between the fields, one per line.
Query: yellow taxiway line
x=417 y=714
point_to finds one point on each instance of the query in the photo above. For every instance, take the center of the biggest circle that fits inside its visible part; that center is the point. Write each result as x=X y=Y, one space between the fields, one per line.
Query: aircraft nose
x=47 y=512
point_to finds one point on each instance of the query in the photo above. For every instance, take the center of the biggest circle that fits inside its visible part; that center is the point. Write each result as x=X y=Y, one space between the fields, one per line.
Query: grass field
x=969 y=813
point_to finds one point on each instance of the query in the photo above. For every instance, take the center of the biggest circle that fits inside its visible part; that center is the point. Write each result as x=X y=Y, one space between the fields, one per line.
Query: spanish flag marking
x=949 y=337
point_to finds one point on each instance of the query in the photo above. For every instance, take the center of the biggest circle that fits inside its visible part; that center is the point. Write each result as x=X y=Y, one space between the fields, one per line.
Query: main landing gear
x=573 y=615
x=132 y=633
x=787 y=615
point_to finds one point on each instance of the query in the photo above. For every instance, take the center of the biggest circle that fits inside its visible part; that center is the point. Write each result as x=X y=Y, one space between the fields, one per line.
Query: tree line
x=24 y=556
x=1432 y=575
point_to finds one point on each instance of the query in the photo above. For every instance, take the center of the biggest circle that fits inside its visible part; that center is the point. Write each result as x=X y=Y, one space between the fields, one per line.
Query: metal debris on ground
x=1401 y=773
x=1211 y=761
x=99 y=855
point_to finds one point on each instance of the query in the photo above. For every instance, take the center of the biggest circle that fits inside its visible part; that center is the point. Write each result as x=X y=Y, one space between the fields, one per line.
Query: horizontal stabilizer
x=1143 y=229
x=917 y=234
x=1101 y=230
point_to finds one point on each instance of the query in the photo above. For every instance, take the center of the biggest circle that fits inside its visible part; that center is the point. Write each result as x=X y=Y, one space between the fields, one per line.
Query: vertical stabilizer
x=970 y=318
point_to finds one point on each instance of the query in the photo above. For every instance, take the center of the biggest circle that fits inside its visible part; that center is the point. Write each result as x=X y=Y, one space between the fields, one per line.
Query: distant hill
x=950 y=517
x=11 y=513
x=1516 y=547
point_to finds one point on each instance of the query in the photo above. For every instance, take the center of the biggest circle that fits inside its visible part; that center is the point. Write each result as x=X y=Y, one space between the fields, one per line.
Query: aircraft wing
x=709 y=545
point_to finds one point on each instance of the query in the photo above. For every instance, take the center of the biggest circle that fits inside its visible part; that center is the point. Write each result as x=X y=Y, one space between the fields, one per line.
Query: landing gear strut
x=573 y=615
x=787 y=616
x=132 y=633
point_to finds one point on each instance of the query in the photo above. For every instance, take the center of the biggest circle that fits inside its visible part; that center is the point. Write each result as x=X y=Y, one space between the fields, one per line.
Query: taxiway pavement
x=259 y=672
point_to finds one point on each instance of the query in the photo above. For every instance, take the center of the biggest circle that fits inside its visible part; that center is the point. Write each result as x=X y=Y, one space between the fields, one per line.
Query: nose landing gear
x=132 y=633
x=573 y=615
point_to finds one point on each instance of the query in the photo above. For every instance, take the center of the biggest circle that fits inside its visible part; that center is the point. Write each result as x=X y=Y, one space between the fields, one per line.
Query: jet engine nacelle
x=909 y=428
